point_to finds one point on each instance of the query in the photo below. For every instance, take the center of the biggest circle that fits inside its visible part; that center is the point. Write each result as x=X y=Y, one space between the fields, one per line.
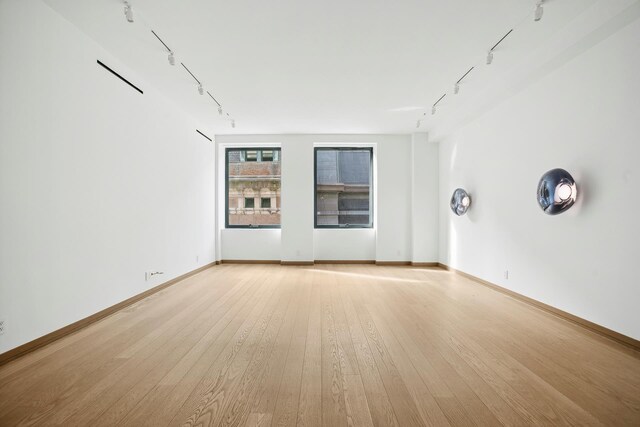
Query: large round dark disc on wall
x=460 y=202
x=557 y=191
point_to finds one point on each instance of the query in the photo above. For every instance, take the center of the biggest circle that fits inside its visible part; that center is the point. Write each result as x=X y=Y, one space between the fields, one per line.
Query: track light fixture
x=433 y=108
x=539 y=11
x=170 y=57
x=128 y=12
x=489 y=57
x=490 y=53
x=456 y=87
x=200 y=88
x=172 y=60
x=216 y=101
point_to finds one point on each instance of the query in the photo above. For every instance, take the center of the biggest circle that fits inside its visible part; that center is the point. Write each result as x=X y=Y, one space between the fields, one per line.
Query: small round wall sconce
x=557 y=191
x=460 y=202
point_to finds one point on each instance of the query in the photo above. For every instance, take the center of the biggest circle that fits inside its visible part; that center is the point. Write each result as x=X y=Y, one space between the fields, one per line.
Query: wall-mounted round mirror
x=557 y=191
x=460 y=202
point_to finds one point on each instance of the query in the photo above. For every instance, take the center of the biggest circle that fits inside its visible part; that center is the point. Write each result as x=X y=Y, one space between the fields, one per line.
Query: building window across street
x=252 y=187
x=343 y=187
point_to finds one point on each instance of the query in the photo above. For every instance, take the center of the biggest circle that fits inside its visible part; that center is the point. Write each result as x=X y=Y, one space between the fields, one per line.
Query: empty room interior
x=328 y=213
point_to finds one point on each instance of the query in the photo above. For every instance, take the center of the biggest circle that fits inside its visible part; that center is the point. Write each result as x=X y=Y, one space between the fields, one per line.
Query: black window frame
x=315 y=188
x=226 y=185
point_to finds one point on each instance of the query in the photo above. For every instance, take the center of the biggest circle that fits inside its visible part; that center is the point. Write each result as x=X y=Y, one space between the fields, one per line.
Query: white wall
x=583 y=117
x=424 y=190
x=297 y=201
x=355 y=244
x=390 y=240
x=393 y=232
x=98 y=183
x=251 y=244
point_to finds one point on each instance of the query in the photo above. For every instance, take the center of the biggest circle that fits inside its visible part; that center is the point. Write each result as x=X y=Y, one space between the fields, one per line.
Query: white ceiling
x=324 y=66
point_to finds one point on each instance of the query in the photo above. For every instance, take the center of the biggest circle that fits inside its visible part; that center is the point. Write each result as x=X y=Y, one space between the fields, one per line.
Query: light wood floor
x=327 y=345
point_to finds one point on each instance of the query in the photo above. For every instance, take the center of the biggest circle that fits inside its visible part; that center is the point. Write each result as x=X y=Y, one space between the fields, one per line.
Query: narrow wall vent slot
x=120 y=77
x=203 y=135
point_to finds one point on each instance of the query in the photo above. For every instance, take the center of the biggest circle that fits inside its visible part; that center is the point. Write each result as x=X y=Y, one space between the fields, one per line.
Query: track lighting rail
x=500 y=41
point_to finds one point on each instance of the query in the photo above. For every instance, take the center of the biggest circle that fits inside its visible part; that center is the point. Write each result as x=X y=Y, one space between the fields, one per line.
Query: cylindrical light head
x=557 y=191
x=200 y=89
x=233 y=123
x=460 y=202
x=418 y=124
x=539 y=11
x=433 y=110
x=220 y=109
x=172 y=59
x=489 y=57
x=128 y=12
x=456 y=88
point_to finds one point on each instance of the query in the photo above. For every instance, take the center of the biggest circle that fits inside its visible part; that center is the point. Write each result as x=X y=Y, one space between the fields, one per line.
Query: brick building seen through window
x=253 y=187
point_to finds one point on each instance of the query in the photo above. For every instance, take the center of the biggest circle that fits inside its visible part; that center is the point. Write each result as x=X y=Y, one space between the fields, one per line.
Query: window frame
x=371 y=224
x=226 y=185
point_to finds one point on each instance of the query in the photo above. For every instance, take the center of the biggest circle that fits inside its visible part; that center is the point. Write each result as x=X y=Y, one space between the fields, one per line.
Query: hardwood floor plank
x=171 y=393
x=506 y=380
x=449 y=389
x=553 y=408
x=258 y=389
x=310 y=403
x=205 y=401
x=380 y=408
x=14 y=385
x=55 y=389
x=333 y=409
x=285 y=412
x=399 y=394
x=348 y=363
x=355 y=400
x=271 y=345
x=44 y=352
x=127 y=393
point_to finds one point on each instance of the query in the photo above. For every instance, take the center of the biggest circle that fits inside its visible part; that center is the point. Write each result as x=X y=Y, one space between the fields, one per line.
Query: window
x=343 y=187
x=252 y=177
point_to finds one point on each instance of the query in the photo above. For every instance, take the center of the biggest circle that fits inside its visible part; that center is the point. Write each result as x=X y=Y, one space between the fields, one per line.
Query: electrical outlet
x=148 y=275
x=506 y=274
x=2 y=326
